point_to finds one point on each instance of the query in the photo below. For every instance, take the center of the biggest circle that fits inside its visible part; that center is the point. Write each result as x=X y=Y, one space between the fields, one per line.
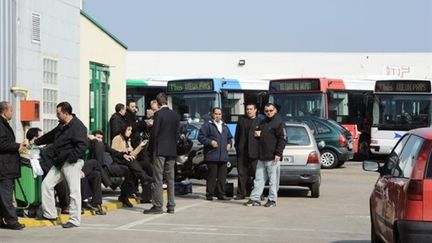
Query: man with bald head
x=9 y=168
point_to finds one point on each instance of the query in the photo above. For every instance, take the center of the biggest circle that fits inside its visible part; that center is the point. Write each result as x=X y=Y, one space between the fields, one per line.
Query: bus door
x=99 y=93
x=351 y=109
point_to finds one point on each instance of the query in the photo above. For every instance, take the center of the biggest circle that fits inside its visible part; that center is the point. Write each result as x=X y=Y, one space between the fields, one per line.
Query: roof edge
x=103 y=29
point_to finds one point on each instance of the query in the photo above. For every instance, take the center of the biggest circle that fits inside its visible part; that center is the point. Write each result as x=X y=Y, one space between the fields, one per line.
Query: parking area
x=340 y=214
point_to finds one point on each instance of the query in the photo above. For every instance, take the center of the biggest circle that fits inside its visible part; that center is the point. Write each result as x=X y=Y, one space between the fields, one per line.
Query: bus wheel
x=329 y=159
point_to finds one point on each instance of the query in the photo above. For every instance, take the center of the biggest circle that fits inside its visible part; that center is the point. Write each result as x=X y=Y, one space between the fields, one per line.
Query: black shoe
x=270 y=204
x=69 y=225
x=65 y=210
x=225 y=198
x=15 y=226
x=209 y=198
x=88 y=206
x=239 y=198
x=125 y=202
x=170 y=210
x=153 y=210
x=252 y=203
x=146 y=201
x=100 y=210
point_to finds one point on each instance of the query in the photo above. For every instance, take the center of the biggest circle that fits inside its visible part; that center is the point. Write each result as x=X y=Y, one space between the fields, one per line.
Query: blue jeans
x=266 y=170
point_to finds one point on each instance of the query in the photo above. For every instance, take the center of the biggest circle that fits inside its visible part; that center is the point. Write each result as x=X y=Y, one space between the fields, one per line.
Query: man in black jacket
x=163 y=139
x=246 y=145
x=9 y=168
x=70 y=141
x=272 y=141
x=138 y=126
x=117 y=120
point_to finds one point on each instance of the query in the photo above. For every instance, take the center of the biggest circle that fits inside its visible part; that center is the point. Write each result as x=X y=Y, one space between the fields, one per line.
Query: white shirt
x=218 y=125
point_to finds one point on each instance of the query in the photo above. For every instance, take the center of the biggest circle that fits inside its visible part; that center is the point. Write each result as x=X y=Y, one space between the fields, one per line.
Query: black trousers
x=117 y=170
x=91 y=183
x=246 y=168
x=7 y=210
x=91 y=187
x=146 y=194
x=216 y=178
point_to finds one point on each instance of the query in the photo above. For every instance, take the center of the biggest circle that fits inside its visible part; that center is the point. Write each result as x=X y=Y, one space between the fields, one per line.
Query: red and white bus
x=349 y=102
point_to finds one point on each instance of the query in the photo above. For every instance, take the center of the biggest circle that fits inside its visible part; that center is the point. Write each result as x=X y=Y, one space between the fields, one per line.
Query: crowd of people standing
x=140 y=152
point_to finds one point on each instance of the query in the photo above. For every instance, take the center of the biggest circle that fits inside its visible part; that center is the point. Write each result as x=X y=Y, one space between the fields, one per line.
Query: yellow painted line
x=32 y=222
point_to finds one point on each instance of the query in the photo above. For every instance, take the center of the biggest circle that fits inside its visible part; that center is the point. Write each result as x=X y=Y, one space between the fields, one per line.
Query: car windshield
x=297 y=135
x=194 y=107
x=299 y=104
x=401 y=111
x=190 y=130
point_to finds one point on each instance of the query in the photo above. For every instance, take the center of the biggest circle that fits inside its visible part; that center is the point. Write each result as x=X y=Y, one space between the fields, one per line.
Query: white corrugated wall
x=7 y=47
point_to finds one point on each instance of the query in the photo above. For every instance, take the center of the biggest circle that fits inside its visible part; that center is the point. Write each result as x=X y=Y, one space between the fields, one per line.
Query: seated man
x=91 y=191
x=46 y=155
x=104 y=155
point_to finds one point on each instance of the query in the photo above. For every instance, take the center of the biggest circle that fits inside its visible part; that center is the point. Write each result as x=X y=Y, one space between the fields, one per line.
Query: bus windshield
x=401 y=112
x=302 y=104
x=194 y=107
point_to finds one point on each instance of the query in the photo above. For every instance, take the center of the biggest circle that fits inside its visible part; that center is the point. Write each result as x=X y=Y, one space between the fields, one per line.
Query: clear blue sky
x=268 y=25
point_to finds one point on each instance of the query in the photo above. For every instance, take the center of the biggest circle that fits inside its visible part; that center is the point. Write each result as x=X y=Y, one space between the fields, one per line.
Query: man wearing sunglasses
x=271 y=136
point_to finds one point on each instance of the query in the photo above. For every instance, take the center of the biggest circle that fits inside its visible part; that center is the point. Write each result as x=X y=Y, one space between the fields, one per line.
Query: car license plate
x=288 y=160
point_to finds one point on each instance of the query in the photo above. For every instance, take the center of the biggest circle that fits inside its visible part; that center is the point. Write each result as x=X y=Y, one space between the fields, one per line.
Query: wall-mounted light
x=241 y=62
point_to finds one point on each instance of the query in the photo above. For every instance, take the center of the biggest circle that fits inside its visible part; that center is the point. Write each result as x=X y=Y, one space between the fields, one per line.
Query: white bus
x=399 y=106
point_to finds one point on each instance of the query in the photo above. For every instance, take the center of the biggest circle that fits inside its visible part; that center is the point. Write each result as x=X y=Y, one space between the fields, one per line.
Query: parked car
x=338 y=141
x=401 y=201
x=300 y=165
x=192 y=165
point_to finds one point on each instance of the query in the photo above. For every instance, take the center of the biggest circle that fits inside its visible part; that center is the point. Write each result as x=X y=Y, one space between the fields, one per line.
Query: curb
x=63 y=218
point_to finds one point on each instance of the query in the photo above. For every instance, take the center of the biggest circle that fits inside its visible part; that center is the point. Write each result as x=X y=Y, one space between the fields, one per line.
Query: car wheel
x=315 y=189
x=329 y=159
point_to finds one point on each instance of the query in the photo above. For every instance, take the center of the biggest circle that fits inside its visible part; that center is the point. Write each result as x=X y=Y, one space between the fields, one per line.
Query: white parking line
x=142 y=221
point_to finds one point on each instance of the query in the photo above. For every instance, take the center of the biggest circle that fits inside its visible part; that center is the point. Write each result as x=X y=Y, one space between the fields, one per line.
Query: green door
x=99 y=90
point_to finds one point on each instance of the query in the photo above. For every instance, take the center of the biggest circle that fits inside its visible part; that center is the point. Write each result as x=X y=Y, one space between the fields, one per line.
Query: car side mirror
x=321 y=145
x=369 y=165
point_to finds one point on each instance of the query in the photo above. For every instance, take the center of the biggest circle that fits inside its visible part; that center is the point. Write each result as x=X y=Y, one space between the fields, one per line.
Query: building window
x=50 y=93
x=50 y=71
x=36 y=27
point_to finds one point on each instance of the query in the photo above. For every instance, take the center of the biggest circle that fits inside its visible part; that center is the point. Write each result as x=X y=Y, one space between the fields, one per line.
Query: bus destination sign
x=190 y=85
x=294 y=85
x=421 y=86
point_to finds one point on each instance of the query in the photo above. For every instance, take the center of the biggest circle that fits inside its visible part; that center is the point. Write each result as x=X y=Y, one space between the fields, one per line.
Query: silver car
x=300 y=165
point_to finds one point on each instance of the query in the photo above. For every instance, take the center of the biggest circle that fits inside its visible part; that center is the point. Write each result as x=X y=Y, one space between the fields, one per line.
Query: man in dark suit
x=246 y=145
x=163 y=139
x=9 y=168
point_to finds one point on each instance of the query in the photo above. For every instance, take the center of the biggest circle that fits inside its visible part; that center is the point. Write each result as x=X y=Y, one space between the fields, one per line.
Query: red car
x=401 y=201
